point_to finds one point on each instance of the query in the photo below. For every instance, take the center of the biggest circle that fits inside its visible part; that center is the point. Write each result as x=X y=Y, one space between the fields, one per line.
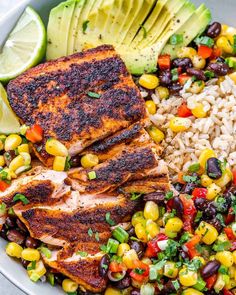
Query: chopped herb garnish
x=176 y=39
x=188 y=178
x=103 y=248
x=184 y=238
x=194 y=167
x=45 y=251
x=3 y=175
x=90 y=232
x=223 y=270
x=135 y=196
x=176 y=284
x=3 y=208
x=97 y=237
x=22 y=198
x=194 y=78
x=169 y=195
x=144 y=31
x=92 y=175
x=220 y=218
x=198 y=216
x=104 y=266
x=109 y=220
x=85 y=26
x=175 y=75
x=222 y=246
x=67 y=164
x=82 y=253
x=93 y=94
x=204 y=40
x=171 y=249
x=209 y=74
x=32 y=265
x=51 y=279
x=139 y=271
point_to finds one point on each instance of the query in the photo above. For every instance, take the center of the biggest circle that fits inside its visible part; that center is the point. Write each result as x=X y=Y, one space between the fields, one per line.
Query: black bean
x=75 y=161
x=58 y=278
x=210 y=269
x=175 y=88
x=165 y=78
x=200 y=204
x=220 y=59
x=21 y=225
x=213 y=30
x=131 y=231
x=168 y=288
x=216 y=223
x=14 y=235
x=183 y=255
x=123 y=284
x=31 y=243
x=231 y=191
x=3 y=232
x=9 y=156
x=157 y=197
x=183 y=63
x=104 y=265
x=213 y=168
x=138 y=247
x=199 y=74
x=177 y=204
x=135 y=292
x=213 y=292
x=178 y=186
x=24 y=262
x=219 y=69
x=189 y=187
x=10 y=222
x=210 y=211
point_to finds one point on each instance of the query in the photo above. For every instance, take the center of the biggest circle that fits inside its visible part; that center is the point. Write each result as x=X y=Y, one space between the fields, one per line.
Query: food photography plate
x=105 y=190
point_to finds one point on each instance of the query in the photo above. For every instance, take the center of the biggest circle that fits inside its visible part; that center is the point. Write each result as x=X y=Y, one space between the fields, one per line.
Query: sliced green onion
x=204 y=40
x=231 y=62
x=32 y=265
x=85 y=26
x=176 y=39
x=175 y=75
x=3 y=208
x=176 y=284
x=92 y=175
x=112 y=246
x=46 y=252
x=22 y=198
x=120 y=234
x=90 y=232
x=200 y=285
x=109 y=220
x=82 y=253
x=51 y=279
x=194 y=167
x=234 y=45
x=34 y=277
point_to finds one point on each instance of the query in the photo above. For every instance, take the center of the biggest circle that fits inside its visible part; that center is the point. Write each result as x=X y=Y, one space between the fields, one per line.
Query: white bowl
x=223 y=11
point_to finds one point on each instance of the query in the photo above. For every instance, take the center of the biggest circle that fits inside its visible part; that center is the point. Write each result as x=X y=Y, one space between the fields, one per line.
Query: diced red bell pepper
x=233 y=247
x=188 y=223
x=164 y=62
x=199 y=193
x=191 y=246
x=114 y=266
x=140 y=271
x=183 y=78
x=34 y=134
x=184 y=111
x=227 y=292
x=180 y=177
x=210 y=282
x=3 y=185
x=216 y=52
x=189 y=208
x=152 y=247
x=230 y=216
x=229 y=232
x=234 y=176
x=204 y=51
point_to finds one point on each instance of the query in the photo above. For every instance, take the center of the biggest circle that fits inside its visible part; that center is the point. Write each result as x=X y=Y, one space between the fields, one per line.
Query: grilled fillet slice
x=59 y=96
x=38 y=185
x=63 y=224
x=135 y=135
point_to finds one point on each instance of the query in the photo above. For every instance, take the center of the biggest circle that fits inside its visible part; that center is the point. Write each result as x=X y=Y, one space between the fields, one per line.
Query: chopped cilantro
x=176 y=284
x=223 y=270
x=171 y=249
x=67 y=164
x=194 y=167
x=104 y=266
x=90 y=232
x=222 y=246
x=32 y=265
x=82 y=253
x=22 y=198
x=144 y=31
x=93 y=94
x=184 y=238
x=139 y=271
x=204 y=40
x=198 y=216
x=209 y=74
x=85 y=26
x=220 y=218
x=109 y=220
x=188 y=178
x=97 y=237
x=3 y=175
x=3 y=208
x=176 y=39
x=169 y=195
x=135 y=196
x=103 y=248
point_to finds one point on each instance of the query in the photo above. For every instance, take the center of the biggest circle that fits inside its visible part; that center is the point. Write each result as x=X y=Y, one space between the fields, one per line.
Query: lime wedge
x=25 y=46
x=8 y=120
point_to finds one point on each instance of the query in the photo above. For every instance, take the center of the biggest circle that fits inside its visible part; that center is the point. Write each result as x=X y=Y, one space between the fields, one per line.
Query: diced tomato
x=180 y=177
x=3 y=185
x=183 y=78
x=189 y=208
x=227 y=292
x=199 y=193
x=116 y=267
x=184 y=111
x=204 y=51
x=234 y=176
x=152 y=247
x=216 y=52
x=164 y=62
x=210 y=282
x=229 y=232
x=187 y=223
x=34 y=133
x=140 y=272
x=230 y=216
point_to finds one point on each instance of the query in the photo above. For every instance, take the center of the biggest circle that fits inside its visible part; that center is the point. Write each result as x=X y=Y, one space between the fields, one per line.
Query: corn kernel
x=205 y=155
x=10 y=173
x=179 y=124
x=23 y=148
x=170 y=269
x=170 y=234
x=225 y=258
x=174 y=224
x=233 y=76
x=225 y=178
x=234 y=256
x=122 y=248
x=27 y=158
x=147 y=260
x=69 y=286
x=152 y=229
x=220 y=282
x=1 y=145
x=187 y=277
x=232 y=271
x=207 y=232
x=156 y=134
x=59 y=163
x=129 y=258
x=151 y=107
x=148 y=81
x=230 y=285
x=140 y=232
x=36 y=273
x=30 y=254
x=224 y=44
x=206 y=180
x=198 y=62
x=56 y=148
x=12 y=142
x=230 y=33
x=16 y=163
x=2 y=161
x=186 y=52
x=196 y=87
x=3 y=138
x=151 y=210
x=198 y=111
x=147 y=289
x=162 y=92
x=112 y=291
x=14 y=250
x=212 y=191
x=89 y=161
x=222 y=238
x=191 y=291
x=138 y=217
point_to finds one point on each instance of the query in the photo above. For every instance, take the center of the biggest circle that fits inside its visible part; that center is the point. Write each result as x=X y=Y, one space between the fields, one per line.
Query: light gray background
x=223 y=10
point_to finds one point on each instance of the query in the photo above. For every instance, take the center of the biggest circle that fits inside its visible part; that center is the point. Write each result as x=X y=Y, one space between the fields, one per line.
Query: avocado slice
x=194 y=26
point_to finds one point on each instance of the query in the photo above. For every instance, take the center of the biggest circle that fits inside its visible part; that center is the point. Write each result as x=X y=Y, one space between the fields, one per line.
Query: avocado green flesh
x=138 y=29
x=194 y=26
